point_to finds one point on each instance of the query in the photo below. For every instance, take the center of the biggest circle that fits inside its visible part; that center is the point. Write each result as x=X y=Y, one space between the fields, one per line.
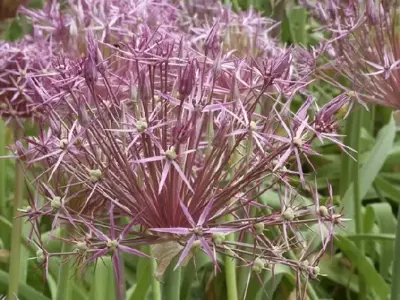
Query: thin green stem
x=172 y=284
x=15 y=258
x=312 y=294
x=395 y=290
x=155 y=284
x=357 y=201
x=243 y=273
x=230 y=268
x=4 y=235
x=3 y=134
x=345 y=172
x=64 y=277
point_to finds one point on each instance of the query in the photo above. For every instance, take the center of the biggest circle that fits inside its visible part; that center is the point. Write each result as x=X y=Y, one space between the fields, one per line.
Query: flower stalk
x=172 y=284
x=64 y=273
x=16 y=233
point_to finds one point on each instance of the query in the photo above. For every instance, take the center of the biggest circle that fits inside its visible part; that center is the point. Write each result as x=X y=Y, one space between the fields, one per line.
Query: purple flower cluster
x=365 y=44
x=156 y=127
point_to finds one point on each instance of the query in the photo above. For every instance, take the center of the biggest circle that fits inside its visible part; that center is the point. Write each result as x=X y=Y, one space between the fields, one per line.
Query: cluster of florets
x=365 y=39
x=166 y=139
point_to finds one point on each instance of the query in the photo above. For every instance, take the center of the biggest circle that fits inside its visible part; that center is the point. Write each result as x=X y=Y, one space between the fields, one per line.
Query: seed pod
x=56 y=203
x=258 y=265
x=259 y=227
x=95 y=175
x=323 y=211
x=40 y=257
x=288 y=214
x=171 y=154
x=218 y=238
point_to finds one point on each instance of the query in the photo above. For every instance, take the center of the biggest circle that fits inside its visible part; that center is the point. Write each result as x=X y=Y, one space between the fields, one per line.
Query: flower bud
x=95 y=175
x=323 y=211
x=112 y=244
x=259 y=227
x=63 y=144
x=258 y=265
x=40 y=257
x=218 y=238
x=298 y=142
x=171 y=154
x=81 y=247
x=56 y=203
x=141 y=125
x=196 y=245
x=314 y=271
x=253 y=125
x=288 y=214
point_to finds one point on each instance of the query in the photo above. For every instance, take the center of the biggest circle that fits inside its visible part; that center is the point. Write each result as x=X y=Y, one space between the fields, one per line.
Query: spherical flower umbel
x=18 y=62
x=162 y=141
x=366 y=43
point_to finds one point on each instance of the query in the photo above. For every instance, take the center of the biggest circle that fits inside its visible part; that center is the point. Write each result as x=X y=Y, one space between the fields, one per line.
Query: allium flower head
x=366 y=40
x=158 y=140
x=18 y=61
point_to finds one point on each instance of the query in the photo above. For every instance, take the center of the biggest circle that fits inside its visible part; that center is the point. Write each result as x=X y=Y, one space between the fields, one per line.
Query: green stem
x=345 y=176
x=15 y=258
x=155 y=284
x=3 y=134
x=172 y=284
x=395 y=290
x=243 y=273
x=4 y=235
x=312 y=294
x=64 y=278
x=230 y=268
x=356 y=124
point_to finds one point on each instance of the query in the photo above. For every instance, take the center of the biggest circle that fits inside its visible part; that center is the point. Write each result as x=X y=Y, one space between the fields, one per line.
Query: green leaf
x=373 y=164
x=297 y=17
x=376 y=237
x=372 y=278
x=271 y=282
x=387 y=225
x=143 y=277
x=25 y=292
x=395 y=289
x=103 y=287
x=388 y=189
x=191 y=273
x=14 y=31
x=334 y=271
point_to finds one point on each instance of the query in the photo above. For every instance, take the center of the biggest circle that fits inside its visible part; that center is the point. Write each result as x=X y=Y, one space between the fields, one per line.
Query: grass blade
x=26 y=292
x=371 y=277
x=373 y=163
x=103 y=287
x=395 y=289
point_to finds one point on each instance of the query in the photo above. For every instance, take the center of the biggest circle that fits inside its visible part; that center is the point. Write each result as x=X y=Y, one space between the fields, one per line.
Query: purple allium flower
x=18 y=61
x=366 y=39
x=157 y=140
